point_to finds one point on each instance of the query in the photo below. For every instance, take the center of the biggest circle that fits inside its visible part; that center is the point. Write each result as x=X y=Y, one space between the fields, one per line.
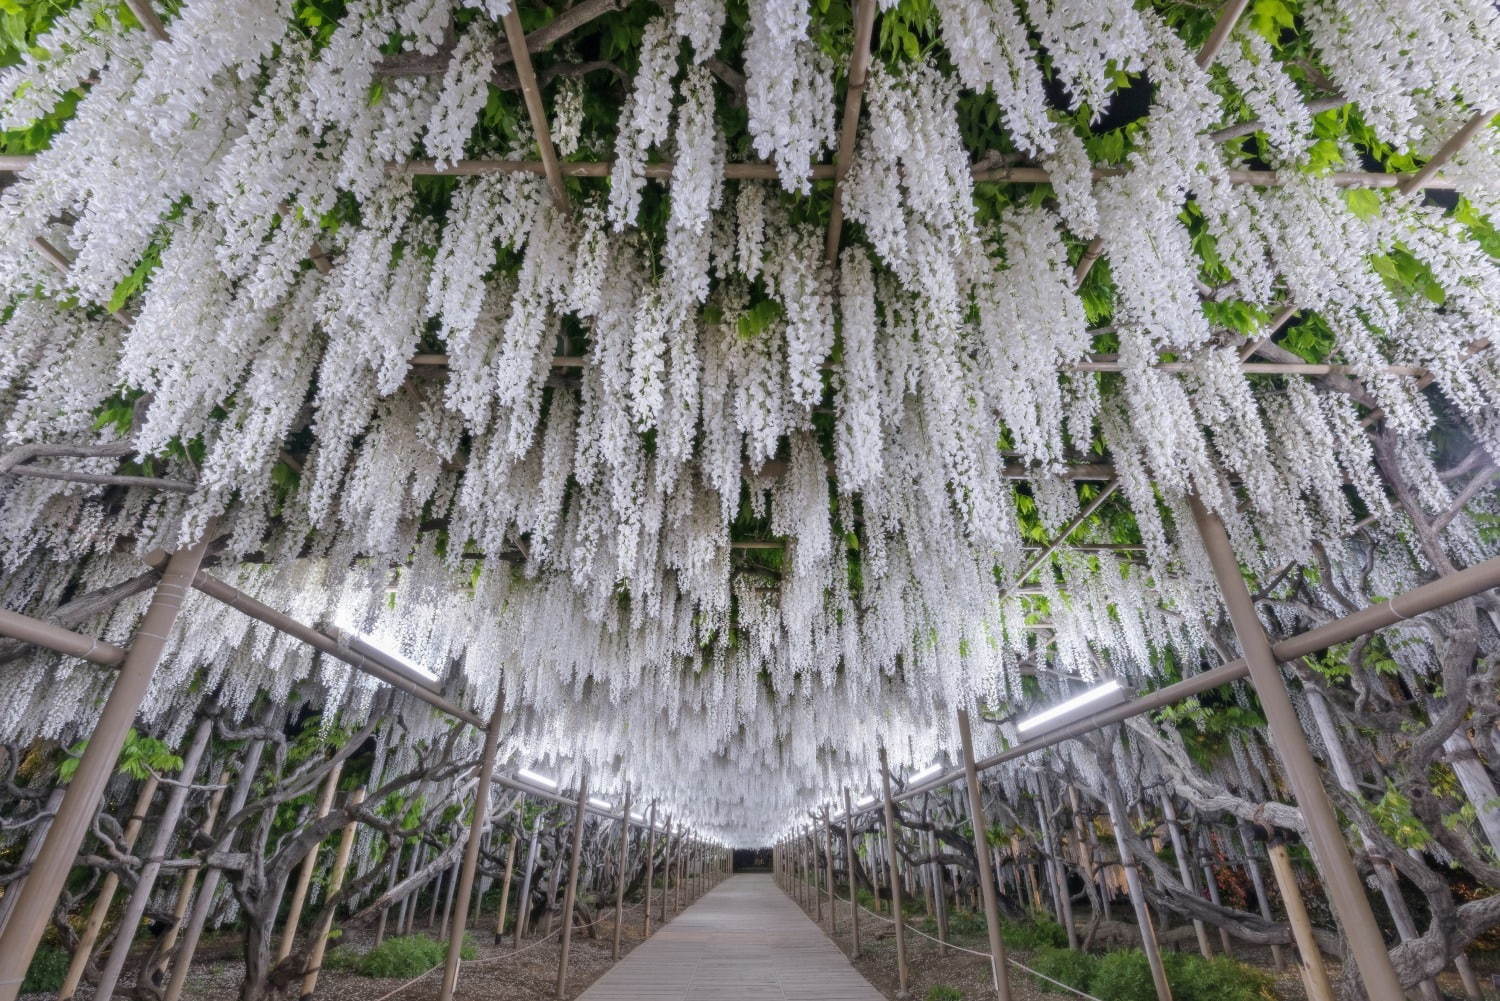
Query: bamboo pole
x=1184 y=867
x=1314 y=973
x=849 y=868
x=650 y=868
x=859 y=68
x=335 y=883
x=190 y=877
x=203 y=904
x=135 y=906
x=106 y=895
x=999 y=975
x=1326 y=838
x=614 y=951
x=1212 y=883
x=572 y=890
x=192 y=931
x=523 y=902
x=900 y=919
x=833 y=911
x=1118 y=820
x=510 y=865
x=309 y=866
x=531 y=91
x=478 y=823
x=44 y=883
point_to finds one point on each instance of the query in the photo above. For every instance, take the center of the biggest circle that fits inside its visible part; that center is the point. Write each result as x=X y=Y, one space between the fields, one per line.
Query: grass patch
x=396 y=958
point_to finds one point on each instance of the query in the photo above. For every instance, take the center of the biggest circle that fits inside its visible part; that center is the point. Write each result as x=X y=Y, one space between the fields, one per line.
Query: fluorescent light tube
x=925 y=773
x=1108 y=692
x=536 y=779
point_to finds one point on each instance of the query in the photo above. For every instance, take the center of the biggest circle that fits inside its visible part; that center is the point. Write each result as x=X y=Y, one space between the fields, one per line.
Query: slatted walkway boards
x=743 y=941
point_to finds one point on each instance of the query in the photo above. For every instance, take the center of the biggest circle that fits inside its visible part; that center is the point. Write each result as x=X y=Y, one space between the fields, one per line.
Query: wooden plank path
x=744 y=940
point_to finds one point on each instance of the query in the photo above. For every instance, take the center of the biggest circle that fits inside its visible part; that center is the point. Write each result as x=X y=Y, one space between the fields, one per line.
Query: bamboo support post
x=190 y=877
x=309 y=866
x=44 y=884
x=523 y=902
x=650 y=868
x=1314 y=973
x=478 y=823
x=335 y=883
x=999 y=975
x=1184 y=867
x=1326 y=837
x=849 y=868
x=572 y=890
x=106 y=896
x=1117 y=821
x=833 y=911
x=620 y=877
x=903 y=978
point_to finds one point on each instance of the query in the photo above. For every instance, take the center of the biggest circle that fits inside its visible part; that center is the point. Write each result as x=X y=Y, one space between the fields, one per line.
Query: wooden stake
x=1314 y=973
x=999 y=975
x=106 y=894
x=335 y=883
x=478 y=823
x=572 y=890
x=849 y=868
x=309 y=866
x=900 y=919
x=620 y=877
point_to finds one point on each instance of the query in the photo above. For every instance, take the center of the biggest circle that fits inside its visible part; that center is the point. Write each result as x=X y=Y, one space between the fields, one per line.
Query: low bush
x=48 y=968
x=1037 y=933
x=1124 y=975
x=1194 y=978
x=407 y=956
x=1076 y=969
x=942 y=992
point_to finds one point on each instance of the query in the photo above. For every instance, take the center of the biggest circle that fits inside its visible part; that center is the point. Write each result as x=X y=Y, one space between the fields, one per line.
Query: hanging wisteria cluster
x=683 y=481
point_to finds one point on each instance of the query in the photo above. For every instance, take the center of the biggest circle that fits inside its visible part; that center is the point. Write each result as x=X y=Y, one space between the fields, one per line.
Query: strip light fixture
x=1092 y=700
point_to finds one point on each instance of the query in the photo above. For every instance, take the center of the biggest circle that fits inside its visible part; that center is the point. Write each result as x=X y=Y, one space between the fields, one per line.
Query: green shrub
x=1194 y=978
x=1037 y=933
x=964 y=922
x=1124 y=976
x=48 y=968
x=1076 y=969
x=942 y=992
x=407 y=956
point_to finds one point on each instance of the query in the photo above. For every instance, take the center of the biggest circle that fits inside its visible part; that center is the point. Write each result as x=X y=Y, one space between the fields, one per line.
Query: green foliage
x=1038 y=933
x=46 y=972
x=1394 y=815
x=138 y=758
x=405 y=956
x=1125 y=975
x=1076 y=969
x=1194 y=978
x=942 y=992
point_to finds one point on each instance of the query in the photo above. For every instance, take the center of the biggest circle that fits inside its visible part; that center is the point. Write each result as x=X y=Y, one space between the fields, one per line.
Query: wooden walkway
x=743 y=941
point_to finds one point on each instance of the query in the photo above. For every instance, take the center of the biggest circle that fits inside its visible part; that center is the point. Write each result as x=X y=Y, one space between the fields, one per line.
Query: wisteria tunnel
x=761 y=500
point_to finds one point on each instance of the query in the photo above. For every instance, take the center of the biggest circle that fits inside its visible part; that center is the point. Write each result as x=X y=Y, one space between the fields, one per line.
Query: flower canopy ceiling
x=737 y=388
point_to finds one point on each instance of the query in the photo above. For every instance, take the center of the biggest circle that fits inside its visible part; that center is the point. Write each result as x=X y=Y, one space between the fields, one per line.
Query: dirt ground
x=496 y=972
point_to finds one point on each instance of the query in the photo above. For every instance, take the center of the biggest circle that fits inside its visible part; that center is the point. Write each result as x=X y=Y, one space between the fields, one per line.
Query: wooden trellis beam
x=1062 y=537
x=1455 y=142
x=859 y=69
x=532 y=92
